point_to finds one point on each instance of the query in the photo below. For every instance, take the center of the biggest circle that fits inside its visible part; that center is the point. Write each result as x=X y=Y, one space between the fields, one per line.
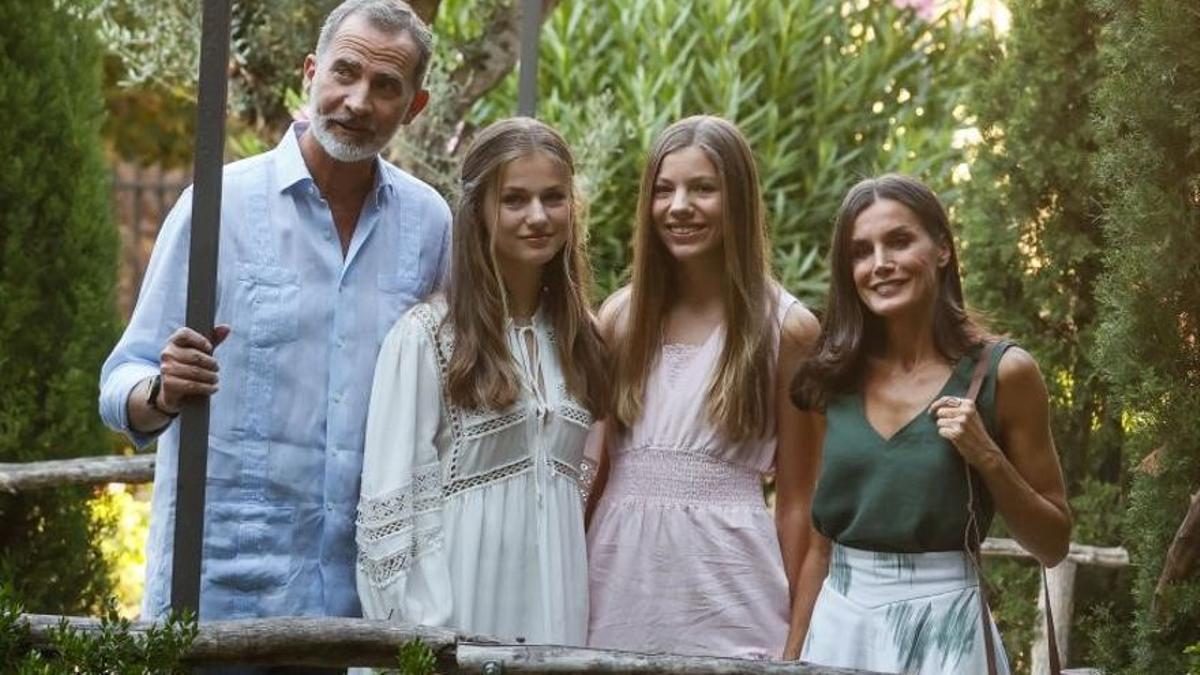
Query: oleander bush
x=826 y=91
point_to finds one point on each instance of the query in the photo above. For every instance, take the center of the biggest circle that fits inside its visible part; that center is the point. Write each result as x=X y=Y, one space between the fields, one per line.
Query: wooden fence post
x=1061 y=579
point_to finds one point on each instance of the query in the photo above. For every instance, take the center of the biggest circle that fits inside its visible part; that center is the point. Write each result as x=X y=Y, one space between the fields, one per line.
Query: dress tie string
x=531 y=365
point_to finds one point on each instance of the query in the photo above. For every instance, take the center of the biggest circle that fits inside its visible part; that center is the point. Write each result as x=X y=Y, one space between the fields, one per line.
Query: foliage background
x=879 y=83
x=1033 y=255
x=1148 y=126
x=57 y=256
x=1066 y=147
x=824 y=90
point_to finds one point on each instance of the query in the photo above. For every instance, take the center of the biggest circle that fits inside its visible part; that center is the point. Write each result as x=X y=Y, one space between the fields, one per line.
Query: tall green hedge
x=1033 y=255
x=58 y=252
x=1148 y=108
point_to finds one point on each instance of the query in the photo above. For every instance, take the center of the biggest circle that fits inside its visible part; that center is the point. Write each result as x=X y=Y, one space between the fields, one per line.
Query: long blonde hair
x=739 y=395
x=481 y=372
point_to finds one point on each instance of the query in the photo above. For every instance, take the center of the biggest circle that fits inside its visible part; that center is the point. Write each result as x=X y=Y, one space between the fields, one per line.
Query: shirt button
x=337 y=398
x=328 y=506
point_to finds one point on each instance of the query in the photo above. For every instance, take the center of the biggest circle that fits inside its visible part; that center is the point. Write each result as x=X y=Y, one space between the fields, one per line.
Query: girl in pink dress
x=683 y=554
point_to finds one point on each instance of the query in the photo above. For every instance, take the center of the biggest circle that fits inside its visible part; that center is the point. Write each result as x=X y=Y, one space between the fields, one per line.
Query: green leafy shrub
x=113 y=648
x=826 y=91
x=416 y=658
x=58 y=253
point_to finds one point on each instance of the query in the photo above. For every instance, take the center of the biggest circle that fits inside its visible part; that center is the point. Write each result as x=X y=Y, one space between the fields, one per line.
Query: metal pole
x=201 y=299
x=527 y=84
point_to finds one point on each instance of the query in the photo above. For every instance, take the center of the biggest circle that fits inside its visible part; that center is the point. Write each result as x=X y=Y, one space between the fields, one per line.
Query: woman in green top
x=891 y=372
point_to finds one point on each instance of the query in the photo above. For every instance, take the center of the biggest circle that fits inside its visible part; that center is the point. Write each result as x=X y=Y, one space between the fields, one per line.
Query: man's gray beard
x=341 y=150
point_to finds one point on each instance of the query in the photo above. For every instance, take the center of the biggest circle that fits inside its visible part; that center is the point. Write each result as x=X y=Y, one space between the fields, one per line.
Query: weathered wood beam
x=340 y=643
x=326 y=642
x=552 y=659
x=1096 y=556
x=82 y=471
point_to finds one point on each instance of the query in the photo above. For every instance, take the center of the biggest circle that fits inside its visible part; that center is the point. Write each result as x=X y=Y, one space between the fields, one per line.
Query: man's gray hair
x=389 y=16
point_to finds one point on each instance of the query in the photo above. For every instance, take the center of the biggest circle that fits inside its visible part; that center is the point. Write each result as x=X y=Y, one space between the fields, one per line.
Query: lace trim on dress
x=385 y=570
x=493 y=424
x=575 y=414
x=499 y=473
x=576 y=474
x=396 y=511
x=675 y=357
x=569 y=407
x=587 y=475
x=467 y=425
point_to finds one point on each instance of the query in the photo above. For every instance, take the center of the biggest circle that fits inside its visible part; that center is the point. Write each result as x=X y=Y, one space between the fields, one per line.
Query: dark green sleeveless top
x=907 y=493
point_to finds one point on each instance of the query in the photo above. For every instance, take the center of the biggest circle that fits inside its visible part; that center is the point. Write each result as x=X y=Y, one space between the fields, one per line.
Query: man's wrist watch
x=152 y=397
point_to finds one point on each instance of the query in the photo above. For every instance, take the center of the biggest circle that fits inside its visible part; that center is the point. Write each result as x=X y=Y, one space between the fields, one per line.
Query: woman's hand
x=1024 y=479
x=958 y=421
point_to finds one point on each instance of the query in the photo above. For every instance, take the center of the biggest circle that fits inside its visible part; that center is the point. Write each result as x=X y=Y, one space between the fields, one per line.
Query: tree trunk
x=1181 y=555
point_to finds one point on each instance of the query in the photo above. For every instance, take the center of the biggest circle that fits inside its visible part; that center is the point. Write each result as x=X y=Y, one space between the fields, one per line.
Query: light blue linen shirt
x=287 y=425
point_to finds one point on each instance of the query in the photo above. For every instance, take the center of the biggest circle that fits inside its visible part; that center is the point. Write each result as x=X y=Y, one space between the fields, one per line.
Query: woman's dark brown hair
x=850 y=331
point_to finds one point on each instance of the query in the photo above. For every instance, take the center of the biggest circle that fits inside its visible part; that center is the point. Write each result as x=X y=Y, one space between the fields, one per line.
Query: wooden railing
x=341 y=643
x=349 y=642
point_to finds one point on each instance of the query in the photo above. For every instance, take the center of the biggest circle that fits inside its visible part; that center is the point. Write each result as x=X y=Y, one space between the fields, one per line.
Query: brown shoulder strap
x=973 y=536
x=1051 y=639
x=973 y=547
x=981 y=368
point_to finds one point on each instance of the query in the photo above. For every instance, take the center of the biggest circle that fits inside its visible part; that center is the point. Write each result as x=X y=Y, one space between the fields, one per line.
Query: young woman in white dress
x=471 y=511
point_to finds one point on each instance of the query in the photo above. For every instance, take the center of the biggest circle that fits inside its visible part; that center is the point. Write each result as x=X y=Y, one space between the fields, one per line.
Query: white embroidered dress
x=473 y=519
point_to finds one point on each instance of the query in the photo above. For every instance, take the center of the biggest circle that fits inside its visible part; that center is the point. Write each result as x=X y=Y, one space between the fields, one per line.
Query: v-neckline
x=923 y=411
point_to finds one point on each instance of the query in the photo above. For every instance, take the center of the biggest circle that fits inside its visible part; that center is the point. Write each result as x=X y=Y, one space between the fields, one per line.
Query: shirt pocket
x=397 y=293
x=271 y=297
x=247 y=546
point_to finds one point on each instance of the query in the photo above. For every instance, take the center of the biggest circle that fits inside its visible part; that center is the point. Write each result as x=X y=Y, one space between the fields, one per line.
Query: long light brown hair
x=850 y=331
x=481 y=372
x=739 y=395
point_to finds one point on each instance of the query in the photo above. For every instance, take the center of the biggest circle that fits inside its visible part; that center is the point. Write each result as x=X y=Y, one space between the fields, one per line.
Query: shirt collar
x=291 y=170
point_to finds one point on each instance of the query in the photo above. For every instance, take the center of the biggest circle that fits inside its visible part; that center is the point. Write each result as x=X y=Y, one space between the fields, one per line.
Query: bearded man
x=323 y=246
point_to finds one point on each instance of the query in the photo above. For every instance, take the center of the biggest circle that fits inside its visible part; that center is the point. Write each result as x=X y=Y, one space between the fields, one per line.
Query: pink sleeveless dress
x=683 y=555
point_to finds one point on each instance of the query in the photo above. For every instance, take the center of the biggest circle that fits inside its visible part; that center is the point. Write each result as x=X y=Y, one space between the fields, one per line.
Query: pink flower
x=924 y=8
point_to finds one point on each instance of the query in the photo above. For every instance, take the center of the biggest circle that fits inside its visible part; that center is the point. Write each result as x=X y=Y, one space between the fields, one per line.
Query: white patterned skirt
x=900 y=613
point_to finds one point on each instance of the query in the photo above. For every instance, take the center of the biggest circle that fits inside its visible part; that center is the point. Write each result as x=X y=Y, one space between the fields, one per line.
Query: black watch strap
x=152 y=397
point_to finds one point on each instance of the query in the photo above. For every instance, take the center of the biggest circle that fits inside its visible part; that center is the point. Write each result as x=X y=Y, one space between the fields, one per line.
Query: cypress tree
x=58 y=252
x=1148 y=109
x=1033 y=250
